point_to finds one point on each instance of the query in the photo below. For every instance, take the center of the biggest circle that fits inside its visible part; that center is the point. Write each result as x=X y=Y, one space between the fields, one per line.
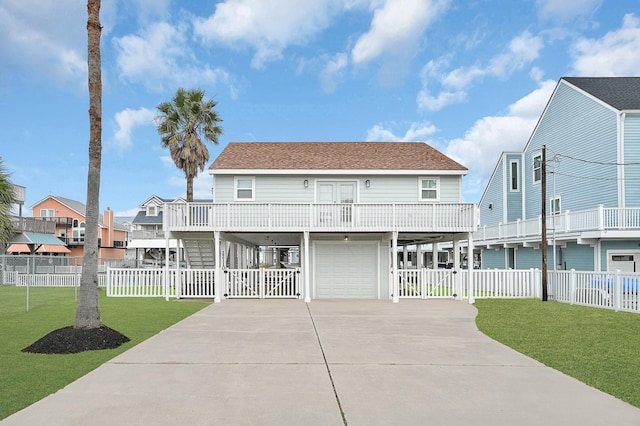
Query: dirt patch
x=69 y=340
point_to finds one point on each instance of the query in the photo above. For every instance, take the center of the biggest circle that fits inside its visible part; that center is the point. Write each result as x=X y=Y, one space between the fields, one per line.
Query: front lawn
x=599 y=347
x=26 y=378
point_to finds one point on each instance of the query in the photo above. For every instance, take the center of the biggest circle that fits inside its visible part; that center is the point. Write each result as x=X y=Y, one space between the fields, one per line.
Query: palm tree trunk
x=88 y=311
x=189 y=189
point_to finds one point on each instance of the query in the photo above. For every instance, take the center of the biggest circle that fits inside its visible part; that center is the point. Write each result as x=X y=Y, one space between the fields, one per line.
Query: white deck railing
x=599 y=219
x=256 y=217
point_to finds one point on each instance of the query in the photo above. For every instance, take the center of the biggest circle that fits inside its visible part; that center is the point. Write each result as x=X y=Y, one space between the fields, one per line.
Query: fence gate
x=426 y=283
x=262 y=283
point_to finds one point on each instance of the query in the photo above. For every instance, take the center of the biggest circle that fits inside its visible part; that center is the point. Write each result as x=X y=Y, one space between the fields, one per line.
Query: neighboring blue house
x=591 y=130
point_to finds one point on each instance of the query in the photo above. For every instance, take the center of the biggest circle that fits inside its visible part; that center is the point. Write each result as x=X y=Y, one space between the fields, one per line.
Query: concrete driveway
x=331 y=362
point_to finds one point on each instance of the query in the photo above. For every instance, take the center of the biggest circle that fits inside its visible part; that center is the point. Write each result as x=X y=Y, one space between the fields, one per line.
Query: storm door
x=336 y=199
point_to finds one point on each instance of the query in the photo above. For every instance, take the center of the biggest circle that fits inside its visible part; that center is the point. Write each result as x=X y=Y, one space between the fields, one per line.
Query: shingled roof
x=622 y=93
x=333 y=156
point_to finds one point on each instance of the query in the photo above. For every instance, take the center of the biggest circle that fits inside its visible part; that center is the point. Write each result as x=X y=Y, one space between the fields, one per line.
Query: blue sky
x=471 y=78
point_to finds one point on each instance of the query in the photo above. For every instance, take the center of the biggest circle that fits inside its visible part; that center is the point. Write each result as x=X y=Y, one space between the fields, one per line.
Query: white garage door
x=346 y=270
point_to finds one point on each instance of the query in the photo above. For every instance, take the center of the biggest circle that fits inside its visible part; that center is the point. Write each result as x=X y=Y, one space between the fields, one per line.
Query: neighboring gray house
x=147 y=245
x=591 y=130
x=344 y=207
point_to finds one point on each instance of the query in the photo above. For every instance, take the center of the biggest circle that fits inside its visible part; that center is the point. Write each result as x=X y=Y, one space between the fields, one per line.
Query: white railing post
x=601 y=223
x=617 y=291
x=572 y=287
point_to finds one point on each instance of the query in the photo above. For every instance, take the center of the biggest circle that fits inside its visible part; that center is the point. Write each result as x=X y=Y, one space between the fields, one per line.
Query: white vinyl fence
x=262 y=283
x=53 y=280
x=610 y=290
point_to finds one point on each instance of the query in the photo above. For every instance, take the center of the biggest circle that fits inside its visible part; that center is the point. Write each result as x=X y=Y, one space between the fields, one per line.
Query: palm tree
x=182 y=125
x=7 y=198
x=88 y=311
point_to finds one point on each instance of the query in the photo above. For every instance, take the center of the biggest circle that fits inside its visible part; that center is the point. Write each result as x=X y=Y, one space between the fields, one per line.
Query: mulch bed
x=69 y=340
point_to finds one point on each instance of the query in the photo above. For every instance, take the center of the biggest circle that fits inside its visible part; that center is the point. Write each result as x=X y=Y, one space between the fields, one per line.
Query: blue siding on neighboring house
x=578 y=126
x=575 y=256
x=528 y=257
x=632 y=155
x=493 y=196
x=492 y=259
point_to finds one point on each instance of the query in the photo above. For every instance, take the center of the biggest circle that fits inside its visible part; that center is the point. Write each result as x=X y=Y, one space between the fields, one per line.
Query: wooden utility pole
x=543 y=245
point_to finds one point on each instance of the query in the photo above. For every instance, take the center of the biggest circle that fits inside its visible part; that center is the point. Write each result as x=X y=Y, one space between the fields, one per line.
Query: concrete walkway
x=331 y=362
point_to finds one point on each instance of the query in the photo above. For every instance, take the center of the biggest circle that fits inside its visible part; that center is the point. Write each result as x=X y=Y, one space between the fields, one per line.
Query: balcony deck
x=594 y=221
x=299 y=217
x=32 y=224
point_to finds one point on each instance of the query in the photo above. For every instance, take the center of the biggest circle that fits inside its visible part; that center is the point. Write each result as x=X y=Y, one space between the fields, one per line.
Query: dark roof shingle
x=622 y=93
x=333 y=156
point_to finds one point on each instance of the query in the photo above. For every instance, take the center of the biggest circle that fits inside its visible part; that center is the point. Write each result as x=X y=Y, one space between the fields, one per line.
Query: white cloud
x=44 y=38
x=266 y=26
x=481 y=145
x=616 y=54
x=522 y=50
x=127 y=120
x=416 y=132
x=396 y=25
x=160 y=56
x=332 y=72
x=566 y=10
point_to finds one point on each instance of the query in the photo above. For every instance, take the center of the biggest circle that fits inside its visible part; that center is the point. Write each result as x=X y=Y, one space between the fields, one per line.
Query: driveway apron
x=330 y=362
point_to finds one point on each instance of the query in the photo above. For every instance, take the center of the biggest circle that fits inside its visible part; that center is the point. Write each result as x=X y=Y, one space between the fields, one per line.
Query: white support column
x=470 y=267
x=306 y=270
x=434 y=255
x=394 y=263
x=166 y=267
x=419 y=263
x=405 y=257
x=218 y=270
x=456 y=270
x=178 y=272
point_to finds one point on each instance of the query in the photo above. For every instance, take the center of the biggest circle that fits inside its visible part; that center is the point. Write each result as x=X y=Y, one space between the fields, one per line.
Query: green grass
x=26 y=378
x=599 y=347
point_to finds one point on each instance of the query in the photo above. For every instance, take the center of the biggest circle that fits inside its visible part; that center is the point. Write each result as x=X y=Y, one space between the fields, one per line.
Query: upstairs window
x=514 y=177
x=429 y=189
x=152 y=211
x=537 y=168
x=47 y=213
x=245 y=189
x=555 y=206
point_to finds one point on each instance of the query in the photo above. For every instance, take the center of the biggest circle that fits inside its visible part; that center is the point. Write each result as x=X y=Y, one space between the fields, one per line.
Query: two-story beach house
x=591 y=131
x=69 y=217
x=336 y=214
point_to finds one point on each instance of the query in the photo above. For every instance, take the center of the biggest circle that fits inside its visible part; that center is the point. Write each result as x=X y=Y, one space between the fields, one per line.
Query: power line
x=601 y=163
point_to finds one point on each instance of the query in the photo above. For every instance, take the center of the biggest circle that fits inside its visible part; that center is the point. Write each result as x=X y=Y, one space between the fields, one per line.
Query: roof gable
x=333 y=156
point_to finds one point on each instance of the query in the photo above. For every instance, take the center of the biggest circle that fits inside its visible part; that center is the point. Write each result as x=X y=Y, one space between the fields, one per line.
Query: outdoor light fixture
x=306 y=183
x=490 y=206
x=346 y=238
x=367 y=183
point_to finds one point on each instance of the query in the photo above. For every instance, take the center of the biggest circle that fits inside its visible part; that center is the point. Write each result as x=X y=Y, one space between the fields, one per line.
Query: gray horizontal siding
x=382 y=189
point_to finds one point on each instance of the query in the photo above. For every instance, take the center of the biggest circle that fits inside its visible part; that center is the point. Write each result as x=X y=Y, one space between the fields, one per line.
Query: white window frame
x=536 y=169
x=436 y=189
x=555 y=205
x=47 y=213
x=511 y=176
x=152 y=210
x=236 y=188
